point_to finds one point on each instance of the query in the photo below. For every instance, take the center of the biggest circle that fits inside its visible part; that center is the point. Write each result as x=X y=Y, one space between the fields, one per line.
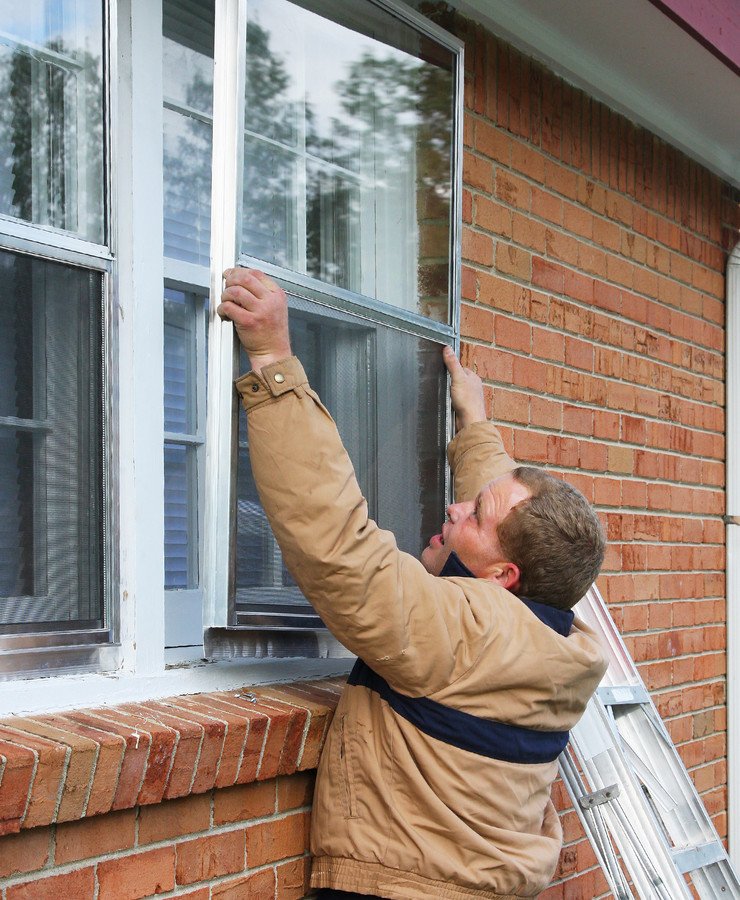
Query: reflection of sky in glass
x=318 y=54
x=75 y=24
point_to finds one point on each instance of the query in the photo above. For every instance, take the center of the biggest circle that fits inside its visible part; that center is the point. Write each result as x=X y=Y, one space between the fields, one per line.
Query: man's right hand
x=466 y=391
x=259 y=310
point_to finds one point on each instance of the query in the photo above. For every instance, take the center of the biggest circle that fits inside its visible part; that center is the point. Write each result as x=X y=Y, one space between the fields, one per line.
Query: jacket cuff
x=271 y=382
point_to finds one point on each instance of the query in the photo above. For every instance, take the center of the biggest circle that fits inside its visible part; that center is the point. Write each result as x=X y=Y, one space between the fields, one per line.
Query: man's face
x=471 y=529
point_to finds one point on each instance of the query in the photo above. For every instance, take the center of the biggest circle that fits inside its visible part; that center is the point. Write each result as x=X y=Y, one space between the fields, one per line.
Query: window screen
x=51 y=446
x=386 y=391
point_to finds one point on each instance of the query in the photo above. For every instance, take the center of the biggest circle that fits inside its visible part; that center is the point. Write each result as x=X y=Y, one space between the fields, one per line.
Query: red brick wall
x=207 y=796
x=593 y=308
x=593 y=290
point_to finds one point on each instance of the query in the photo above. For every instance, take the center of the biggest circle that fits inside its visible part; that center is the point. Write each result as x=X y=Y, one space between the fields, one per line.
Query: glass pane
x=180 y=516
x=373 y=101
x=51 y=120
x=180 y=387
x=357 y=368
x=270 y=190
x=51 y=440
x=188 y=129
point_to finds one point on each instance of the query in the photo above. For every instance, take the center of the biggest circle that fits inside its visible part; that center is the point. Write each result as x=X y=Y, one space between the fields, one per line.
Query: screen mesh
x=51 y=446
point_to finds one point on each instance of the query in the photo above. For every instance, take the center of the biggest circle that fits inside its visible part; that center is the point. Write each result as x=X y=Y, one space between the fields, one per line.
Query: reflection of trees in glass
x=269 y=171
x=187 y=177
x=55 y=172
x=397 y=117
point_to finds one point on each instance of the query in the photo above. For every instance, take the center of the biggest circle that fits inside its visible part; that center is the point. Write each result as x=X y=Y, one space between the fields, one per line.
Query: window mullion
x=228 y=117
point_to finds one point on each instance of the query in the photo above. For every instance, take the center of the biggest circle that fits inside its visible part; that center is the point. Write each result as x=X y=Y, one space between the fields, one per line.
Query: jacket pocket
x=345 y=768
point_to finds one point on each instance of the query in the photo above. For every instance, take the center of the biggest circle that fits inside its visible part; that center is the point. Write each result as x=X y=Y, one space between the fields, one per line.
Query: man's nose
x=454 y=510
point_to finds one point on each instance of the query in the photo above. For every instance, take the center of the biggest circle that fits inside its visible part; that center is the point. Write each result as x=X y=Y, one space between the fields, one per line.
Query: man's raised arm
x=476 y=454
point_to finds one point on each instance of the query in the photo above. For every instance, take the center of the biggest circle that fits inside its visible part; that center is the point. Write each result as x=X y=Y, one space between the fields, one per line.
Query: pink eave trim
x=714 y=23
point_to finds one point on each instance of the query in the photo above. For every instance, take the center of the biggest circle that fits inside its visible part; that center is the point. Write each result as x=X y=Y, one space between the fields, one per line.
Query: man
x=436 y=773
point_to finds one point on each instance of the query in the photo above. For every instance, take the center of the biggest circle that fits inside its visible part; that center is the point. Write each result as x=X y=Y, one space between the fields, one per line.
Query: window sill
x=41 y=695
x=88 y=762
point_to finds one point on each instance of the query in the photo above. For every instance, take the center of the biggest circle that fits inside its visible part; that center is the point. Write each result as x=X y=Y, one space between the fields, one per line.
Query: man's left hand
x=259 y=310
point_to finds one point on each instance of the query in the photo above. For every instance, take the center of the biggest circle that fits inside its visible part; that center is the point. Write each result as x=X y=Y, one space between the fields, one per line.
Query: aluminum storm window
x=349 y=172
x=54 y=554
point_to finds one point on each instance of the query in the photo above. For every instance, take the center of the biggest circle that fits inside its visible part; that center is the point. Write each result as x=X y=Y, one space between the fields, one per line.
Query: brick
x=174 y=818
x=82 y=758
x=19 y=764
x=95 y=836
x=546 y=206
x=547 y=275
x=210 y=857
x=293 y=879
x=285 y=737
x=477 y=173
x=529 y=233
x=244 y=802
x=48 y=777
x=579 y=354
x=259 y=885
x=513 y=334
x=163 y=741
x=512 y=190
x=79 y=885
x=111 y=748
x=295 y=791
x=320 y=718
x=277 y=839
x=258 y=723
x=137 y=875
x=476 y=322
x=223 y=742
x=25 y=852
x=493 y=142
x=548 y=344
x=477 y=247
x=527 y=160
x=492 y=216
x=135 y=755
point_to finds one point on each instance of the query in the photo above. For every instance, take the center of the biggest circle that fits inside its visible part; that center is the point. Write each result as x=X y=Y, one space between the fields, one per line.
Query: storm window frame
x=222 y=637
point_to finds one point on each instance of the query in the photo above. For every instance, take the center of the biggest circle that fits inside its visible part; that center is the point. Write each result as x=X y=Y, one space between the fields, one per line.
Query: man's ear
x=507 y=574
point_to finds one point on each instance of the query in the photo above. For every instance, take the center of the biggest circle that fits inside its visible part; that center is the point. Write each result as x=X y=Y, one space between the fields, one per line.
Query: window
x=187 y=83
x=322 y=148
x=348 y=170
x=54 y=552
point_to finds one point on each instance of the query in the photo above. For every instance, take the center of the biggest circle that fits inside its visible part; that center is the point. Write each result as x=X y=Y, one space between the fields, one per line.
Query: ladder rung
x=690 y=858
x=623 y=694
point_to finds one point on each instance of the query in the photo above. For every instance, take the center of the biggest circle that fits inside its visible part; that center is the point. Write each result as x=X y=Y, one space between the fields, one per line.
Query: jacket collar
x=560 y=620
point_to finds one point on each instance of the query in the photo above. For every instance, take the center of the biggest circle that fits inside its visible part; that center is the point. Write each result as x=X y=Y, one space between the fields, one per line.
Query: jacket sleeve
x=476 y=456
x=415 y=630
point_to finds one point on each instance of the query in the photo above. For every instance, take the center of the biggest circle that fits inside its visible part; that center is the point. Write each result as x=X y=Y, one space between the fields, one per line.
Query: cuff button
x=279 y=377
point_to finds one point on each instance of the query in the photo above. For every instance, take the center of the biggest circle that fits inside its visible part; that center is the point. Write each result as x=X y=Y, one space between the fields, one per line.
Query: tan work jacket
x=421 y=790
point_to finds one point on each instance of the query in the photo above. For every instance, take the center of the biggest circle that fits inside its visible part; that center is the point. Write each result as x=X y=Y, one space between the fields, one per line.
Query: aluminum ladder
x=632 y=793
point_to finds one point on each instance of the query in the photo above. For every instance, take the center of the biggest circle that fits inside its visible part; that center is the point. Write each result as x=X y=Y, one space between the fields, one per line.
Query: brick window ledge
x=66 y=766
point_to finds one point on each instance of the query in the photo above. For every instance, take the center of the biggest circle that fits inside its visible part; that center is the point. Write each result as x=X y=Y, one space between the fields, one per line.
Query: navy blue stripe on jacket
x=486 y=737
